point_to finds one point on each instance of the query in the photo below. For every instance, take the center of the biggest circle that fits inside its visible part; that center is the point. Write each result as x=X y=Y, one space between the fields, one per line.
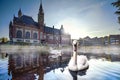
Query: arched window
x=19 y=34
x=27 y=35
x=35 y=36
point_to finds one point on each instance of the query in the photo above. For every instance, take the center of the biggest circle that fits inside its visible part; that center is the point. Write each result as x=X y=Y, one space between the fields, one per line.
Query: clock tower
x=41 y=16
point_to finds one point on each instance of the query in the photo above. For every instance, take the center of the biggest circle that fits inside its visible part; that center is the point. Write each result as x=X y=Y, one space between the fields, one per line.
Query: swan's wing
x=82 y=62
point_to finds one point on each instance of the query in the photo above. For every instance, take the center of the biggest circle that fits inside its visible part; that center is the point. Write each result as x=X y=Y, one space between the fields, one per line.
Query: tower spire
x=41 y=8
x=41 y=1
x=41 y=15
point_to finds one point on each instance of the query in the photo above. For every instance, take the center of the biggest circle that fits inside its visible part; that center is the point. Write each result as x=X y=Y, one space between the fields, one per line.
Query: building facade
x=114 y=39
x=24 y=29
x=106 y=40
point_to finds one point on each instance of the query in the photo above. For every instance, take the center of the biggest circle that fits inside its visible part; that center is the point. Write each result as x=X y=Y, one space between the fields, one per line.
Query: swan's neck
x=75 y=57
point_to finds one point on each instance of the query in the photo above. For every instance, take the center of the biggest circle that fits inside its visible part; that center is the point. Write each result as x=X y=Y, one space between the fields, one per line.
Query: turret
x=10 y=24
x=19 y=13
x=62 y=29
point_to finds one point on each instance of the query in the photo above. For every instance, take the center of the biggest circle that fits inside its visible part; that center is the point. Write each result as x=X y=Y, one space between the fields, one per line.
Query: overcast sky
x=80 y=18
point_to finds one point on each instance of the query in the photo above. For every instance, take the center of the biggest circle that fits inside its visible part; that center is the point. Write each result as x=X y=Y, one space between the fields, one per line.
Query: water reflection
x=26 y=66
x=80 y=73
x=41 y=66
x=23 y=66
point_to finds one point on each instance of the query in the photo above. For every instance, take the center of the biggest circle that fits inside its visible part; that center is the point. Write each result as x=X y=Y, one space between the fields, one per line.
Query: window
x=51 y=37
x=35 y=36
x=27 y=35
x=19 y=34
x=41 y=34
x=44 y=36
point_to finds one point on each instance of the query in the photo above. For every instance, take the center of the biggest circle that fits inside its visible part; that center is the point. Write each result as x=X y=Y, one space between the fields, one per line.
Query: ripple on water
x=98 y=70
x=104 y=70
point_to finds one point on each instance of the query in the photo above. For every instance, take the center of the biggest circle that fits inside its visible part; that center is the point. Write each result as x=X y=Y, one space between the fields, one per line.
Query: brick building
x=24 y=29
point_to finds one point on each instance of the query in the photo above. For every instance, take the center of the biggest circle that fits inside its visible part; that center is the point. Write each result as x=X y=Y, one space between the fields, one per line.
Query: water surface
x=34 y=66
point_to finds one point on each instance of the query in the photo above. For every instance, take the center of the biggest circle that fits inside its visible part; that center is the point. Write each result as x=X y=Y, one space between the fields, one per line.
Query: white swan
x=77 y=62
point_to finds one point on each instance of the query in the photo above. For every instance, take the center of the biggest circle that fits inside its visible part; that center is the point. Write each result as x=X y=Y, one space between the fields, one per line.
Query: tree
x=117 y=5
x=4 y=40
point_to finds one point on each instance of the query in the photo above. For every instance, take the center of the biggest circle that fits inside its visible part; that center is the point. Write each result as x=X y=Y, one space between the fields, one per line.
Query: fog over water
x=81 y=49
x=100 y=49
x=115 y=50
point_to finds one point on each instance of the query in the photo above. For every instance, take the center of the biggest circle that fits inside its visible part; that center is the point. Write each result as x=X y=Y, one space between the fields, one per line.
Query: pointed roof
x=41 y=8
x=10 y=24
x=19 y=12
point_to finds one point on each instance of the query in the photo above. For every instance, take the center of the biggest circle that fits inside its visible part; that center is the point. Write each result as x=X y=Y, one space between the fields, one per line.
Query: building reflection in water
x=25 y=66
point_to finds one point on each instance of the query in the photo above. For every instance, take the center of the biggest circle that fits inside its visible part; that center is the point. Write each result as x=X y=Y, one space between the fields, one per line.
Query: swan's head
x=75 y=45
x=74 y=42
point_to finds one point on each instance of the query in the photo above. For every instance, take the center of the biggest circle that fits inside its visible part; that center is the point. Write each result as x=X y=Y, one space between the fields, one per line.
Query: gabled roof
x=26 y=20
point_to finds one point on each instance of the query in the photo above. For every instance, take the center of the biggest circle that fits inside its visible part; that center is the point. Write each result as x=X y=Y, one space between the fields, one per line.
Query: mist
x=112 y=49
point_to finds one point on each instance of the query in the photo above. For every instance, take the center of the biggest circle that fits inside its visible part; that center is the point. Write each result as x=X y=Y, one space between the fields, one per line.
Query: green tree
x=117 y=5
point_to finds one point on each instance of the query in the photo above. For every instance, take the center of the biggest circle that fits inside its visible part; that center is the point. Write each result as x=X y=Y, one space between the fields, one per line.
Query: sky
x=80 y=18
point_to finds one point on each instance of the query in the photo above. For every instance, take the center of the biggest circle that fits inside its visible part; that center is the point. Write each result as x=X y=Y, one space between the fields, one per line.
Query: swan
x=77 y=62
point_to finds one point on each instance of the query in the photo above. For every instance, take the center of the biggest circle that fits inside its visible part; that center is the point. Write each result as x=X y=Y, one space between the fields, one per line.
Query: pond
x=37 y=66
